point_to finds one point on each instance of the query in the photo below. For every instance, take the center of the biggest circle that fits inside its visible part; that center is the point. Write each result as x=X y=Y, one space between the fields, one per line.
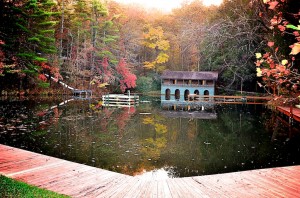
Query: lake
x=148 y=138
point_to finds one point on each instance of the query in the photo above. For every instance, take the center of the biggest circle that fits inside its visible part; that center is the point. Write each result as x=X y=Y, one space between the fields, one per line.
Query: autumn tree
x=127 y=79
x=278 y=66
x=131 y=33
x=230 y=41
x=154 y=39
x=191 y=23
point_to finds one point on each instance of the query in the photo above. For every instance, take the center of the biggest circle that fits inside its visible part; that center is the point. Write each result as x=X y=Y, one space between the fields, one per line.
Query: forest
x=106 y=46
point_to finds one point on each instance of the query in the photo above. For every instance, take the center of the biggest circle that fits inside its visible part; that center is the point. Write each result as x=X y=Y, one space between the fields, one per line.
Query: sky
x=166 y=5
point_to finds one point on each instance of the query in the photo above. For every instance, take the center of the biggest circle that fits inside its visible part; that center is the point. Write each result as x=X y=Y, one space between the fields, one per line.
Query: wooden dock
x=219 y=99
x=77 y=180
x=291 y=112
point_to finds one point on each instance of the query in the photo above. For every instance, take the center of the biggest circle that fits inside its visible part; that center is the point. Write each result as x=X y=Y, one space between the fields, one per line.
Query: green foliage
x=34 y=39
x=145 y=84
x=293 y=27
x=12 y=188
x=48 y=23
x=44 y=84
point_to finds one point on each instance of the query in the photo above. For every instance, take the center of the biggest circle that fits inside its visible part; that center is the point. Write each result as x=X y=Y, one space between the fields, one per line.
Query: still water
x=148 y=138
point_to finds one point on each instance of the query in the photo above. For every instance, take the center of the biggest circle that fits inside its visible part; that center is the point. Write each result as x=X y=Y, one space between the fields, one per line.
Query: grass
x=15 y=189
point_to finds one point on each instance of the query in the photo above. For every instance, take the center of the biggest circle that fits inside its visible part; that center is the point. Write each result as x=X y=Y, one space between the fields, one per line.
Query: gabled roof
x=187 y=75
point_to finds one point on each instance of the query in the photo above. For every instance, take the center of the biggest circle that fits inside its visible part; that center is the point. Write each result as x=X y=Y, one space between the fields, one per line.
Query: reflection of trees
x=152 y=146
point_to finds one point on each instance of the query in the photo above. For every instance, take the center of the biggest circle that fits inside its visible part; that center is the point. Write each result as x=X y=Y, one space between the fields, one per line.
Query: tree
x=277 y=66
x=230 y=41
x=154 y=39
x=28 y=37
x=127 y=79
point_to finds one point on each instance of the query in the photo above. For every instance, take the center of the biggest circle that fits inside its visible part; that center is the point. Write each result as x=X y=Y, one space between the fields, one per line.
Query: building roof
x=187 y=75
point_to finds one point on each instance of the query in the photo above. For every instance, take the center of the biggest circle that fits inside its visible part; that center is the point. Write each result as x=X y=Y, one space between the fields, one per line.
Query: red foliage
x=42 y=77
x=45 y=66
x=128 y=79
x=277 y=71
x=272 y=5
x=124 y=116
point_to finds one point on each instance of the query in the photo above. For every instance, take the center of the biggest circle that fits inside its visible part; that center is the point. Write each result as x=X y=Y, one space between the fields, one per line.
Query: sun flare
x=166 y=5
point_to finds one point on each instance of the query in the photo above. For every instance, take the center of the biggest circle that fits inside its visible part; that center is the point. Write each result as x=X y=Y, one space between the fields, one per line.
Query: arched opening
x=196 y=96
x=168 y=94
x=206 y=93
x=177 y=94
x=186 y=94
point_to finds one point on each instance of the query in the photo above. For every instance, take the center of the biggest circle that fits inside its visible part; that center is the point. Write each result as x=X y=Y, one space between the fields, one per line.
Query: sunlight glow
x=166 y=5
x=212 y=2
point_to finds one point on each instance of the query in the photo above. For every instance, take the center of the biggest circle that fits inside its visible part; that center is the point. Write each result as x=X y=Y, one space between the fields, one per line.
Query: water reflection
x=148 y=139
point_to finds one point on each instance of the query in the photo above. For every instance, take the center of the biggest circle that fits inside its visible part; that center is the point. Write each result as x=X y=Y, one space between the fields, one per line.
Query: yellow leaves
x=266 y=1
x=258 y=72
x=149 y=65
x=295 y=49
x=148 y=120
x=160 y=128
x=258 y=55
x=162 y=58
x=102 y=85
x=154 y=39
x=284 y=62
x=163 y=45
x=153 y=34
x=149 y=44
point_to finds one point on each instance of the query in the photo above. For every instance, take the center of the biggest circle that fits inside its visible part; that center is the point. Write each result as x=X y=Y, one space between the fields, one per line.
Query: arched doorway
x=206 y=94
x=177 y=94
x=168 y=94
x=186 y=94
x=197 y=93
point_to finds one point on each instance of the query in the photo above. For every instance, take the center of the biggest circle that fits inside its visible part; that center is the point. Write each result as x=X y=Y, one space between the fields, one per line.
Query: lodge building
x=178 y=85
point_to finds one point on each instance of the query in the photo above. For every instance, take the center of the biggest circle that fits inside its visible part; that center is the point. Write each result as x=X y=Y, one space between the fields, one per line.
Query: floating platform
x=120 y=100
x=78 y=180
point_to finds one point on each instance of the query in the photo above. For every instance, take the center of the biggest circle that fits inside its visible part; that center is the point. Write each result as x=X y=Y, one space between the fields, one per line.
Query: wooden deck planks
x=79 y=180
x=295 y=114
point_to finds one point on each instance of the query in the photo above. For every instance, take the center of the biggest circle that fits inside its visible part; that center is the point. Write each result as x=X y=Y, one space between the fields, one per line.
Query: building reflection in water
x=178 y=109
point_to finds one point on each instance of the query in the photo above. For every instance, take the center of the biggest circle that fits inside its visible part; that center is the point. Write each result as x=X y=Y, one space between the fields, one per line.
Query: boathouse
x=178 y=85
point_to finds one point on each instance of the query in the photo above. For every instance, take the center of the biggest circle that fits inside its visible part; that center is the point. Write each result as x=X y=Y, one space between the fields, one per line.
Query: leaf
x=295 y=49
x=284 y=62
x=272 y=5
x=293 y=27
x=258 y=55
x=258 y=72
x=102 y=85
x=162 y=58
x=281 y=28
x=270 y=44
x=148 y=120
x=149 y=65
